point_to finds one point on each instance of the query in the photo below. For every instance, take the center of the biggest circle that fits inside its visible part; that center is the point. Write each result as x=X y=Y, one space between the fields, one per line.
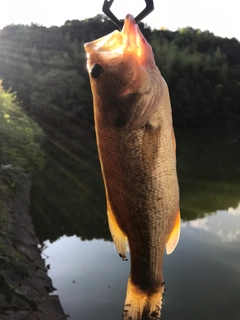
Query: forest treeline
x=47 y=69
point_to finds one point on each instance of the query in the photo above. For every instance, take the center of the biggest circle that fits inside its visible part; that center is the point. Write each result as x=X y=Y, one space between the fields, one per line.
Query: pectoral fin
x=119 y=238
x=174 y=235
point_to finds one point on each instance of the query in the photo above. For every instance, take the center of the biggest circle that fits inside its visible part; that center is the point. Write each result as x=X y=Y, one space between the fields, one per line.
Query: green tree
x=20 y=139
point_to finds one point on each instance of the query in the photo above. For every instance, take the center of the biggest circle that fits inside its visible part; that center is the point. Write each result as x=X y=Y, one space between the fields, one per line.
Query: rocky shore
x=25 y=287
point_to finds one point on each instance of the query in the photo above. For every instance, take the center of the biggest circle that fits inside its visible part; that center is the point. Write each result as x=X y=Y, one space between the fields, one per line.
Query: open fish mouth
x=128 y=41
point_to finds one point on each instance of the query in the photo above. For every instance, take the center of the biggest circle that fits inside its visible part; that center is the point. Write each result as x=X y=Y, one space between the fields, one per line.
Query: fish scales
x=142 y=198
x=136 y=146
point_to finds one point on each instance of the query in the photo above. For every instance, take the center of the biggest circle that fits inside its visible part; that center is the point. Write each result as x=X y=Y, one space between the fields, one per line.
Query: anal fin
x=174 y=235
x=119 y=238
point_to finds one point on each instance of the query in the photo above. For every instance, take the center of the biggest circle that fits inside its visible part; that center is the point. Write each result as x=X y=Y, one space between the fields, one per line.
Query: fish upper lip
x=130 y=17
x=130 y=28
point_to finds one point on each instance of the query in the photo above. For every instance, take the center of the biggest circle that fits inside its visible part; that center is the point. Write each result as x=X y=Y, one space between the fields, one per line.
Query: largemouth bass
x=136 y=147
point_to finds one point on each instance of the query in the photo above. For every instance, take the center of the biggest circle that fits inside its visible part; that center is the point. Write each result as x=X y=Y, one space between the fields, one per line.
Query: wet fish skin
x=136 y=148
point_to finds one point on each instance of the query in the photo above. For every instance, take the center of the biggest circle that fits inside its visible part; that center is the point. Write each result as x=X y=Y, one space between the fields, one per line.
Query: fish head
x=122 y=69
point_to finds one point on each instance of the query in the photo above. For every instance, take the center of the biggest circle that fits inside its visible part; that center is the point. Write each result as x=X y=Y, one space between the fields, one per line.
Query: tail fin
x=141 y=306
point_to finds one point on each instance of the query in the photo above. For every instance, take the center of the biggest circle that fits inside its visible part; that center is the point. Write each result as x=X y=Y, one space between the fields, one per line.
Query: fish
x=137 y=152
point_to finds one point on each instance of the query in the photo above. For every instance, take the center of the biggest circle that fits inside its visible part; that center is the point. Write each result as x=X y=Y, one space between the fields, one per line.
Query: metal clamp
x=108 y=3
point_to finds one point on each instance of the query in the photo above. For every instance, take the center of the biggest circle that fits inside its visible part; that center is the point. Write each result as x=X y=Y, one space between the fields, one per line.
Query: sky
x=218 y=16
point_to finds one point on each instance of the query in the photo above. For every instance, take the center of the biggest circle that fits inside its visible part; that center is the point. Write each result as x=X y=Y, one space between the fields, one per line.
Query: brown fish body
x=136 y=148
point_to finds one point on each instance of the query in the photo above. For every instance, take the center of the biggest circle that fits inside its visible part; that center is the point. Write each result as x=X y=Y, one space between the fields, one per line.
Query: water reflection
x=90 y=277
x=225 y=225
x=68 y=197
x=203 y=275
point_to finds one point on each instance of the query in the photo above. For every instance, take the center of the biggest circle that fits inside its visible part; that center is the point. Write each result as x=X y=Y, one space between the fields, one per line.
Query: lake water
x=202 y=275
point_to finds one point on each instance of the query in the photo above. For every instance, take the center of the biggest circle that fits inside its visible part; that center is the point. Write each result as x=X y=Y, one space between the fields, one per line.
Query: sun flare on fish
x=129 y=41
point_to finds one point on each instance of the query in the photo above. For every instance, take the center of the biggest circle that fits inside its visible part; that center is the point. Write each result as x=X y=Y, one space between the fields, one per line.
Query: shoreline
x=25 y=287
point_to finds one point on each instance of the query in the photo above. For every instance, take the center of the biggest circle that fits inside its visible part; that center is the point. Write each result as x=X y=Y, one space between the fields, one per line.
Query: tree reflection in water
x=68 y=196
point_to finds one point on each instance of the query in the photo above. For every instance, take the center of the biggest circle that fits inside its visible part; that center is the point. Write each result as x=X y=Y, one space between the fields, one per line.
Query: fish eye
x=96 y=70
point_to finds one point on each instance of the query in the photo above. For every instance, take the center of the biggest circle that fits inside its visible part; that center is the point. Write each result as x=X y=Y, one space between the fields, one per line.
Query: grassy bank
x=20 y=155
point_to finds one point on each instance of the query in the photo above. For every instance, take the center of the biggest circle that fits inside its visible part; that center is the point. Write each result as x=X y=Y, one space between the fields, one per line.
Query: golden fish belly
x=139 y=173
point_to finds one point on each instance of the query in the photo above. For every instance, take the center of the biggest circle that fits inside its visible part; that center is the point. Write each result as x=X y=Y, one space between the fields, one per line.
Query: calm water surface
x=202 y=275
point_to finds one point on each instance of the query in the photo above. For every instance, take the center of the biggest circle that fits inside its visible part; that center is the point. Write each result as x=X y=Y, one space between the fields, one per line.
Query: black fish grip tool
x=108 y=3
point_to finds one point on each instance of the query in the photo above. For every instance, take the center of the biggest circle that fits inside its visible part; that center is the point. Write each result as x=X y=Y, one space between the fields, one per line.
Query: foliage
x=19 y=140
x=199 y=70
x=46 y=67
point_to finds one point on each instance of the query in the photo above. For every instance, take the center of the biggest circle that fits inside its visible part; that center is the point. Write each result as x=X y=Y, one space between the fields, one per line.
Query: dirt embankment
x=24 y=284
